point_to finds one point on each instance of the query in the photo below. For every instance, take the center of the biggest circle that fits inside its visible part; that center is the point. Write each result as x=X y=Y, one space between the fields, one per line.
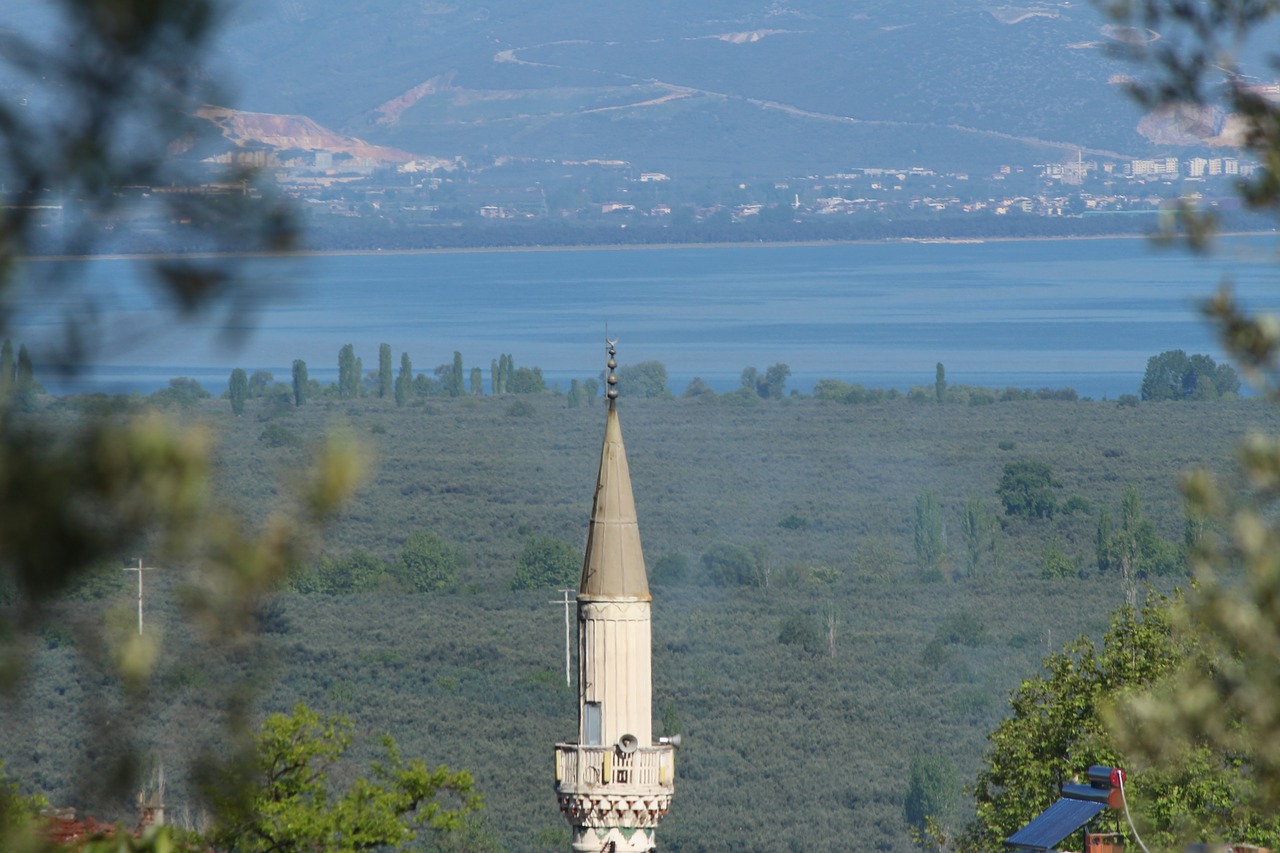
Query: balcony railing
x=648 y=767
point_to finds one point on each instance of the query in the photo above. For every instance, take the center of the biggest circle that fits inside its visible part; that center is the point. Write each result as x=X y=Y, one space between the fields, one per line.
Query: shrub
x=733 y=565
x=276 y=435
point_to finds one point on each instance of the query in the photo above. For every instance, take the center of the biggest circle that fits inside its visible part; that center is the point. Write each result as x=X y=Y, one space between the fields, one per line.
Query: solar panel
x=1054 y=824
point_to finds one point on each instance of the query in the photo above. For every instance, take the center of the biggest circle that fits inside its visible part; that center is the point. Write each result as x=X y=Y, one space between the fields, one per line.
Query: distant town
x=365 y=203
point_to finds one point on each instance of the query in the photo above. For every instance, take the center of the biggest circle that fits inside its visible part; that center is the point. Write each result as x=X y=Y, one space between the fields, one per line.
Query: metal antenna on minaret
x=139 y=569
x=565 y=592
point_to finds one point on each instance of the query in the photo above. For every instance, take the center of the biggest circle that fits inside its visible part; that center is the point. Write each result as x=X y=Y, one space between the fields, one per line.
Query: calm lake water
x=1084 y=314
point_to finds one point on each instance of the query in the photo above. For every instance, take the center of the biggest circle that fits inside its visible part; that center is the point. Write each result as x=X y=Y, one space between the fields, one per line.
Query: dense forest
x=839 y=590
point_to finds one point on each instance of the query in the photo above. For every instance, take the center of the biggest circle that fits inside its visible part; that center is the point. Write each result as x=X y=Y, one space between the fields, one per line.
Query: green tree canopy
x=238 y=390
x=549 y=562
x=299 y=382
x=1173 y=375
x=1058 y=727
x=1027 y=489
x=428 y=563
x=645 y=379
x=293 y=804
x=933 y=790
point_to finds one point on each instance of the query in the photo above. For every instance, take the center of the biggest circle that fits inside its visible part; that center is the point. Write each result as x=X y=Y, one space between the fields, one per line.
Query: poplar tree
x=494 y=377
x=940 y=383
x=453 y=380
x=346 y=371
x=299 y=382
x=384 y=370
x=25 y=388
x=7 y=368
x=357 y=378
x=238 y=390
x=404 y=382
x=477 y=381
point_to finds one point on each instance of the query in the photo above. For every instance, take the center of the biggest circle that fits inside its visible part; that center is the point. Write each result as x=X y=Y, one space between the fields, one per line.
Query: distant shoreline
x=614 y=247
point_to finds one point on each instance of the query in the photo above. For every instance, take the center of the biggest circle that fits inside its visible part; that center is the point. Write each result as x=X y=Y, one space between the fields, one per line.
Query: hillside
x=783 y=739
x=713 y=88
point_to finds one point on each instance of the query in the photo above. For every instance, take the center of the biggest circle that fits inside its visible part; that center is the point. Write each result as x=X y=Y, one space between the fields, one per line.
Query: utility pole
x=565 y=601
x=139 y=569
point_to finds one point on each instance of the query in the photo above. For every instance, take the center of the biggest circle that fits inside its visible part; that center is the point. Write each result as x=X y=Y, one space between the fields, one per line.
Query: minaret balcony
x=645 y=769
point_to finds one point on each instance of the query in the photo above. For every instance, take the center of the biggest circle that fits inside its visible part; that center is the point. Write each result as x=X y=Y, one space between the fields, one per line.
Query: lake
x=1080 y=313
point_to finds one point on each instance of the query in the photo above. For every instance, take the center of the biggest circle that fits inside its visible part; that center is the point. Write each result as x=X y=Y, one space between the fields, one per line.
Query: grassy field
x=787 y=745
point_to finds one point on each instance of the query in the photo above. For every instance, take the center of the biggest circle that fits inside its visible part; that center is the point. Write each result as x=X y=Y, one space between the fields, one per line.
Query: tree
x=980 y=531
x=453 y=379
x=8 y=369
x=24 y=387
x=357 y=378
x=930 y=542
x=933 y=790
x=1174 y=375
x=348 y=373
x=293 y=804
x=645 y=379
x=299 y=382
x=259 y=382
x=547 y=562
x=775 y=380
x=734 y=565
x=237 y=390
x=428 y=563
x=404 y=380
x=1059 y=726
x=526 y=380
x=940 y=383
x=1027 y=489
x=117 y=86
x=384 y=370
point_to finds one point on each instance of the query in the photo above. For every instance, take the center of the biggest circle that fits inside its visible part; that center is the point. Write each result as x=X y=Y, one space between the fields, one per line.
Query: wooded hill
x=803 y=686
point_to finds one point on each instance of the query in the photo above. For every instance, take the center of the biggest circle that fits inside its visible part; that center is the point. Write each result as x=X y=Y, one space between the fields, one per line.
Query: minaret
x=616 y=782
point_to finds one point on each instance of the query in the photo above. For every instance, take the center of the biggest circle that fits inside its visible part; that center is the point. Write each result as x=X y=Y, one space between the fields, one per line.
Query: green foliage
x=452 y=376
x=964 y=628
x=348 y=372
x=1174 y=375
x=428 y=563
x=933 y=790
x=928 y=537
x=526 y=380
x=301 y=385
x=733 y=565
x=285 y=800
x=800 y=629
x=980 y=533
x=1027 y=489
x=404 y=380
x=259 y=382
x=769 y=385
x=182 y=392
x=1055 y=728
x=384 y=370
x=547 y=562
x=645 y=379
x=521 y=409
x=699 y=389
x=8 y=369
x=940 y=383
x=279 y=435
x=23 y=398
x=238 y=390
x=672 y=568
x=1056 y=563
x=356 y=572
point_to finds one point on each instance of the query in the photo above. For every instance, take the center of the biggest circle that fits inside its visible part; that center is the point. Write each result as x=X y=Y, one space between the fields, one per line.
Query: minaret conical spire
x=613 y=566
